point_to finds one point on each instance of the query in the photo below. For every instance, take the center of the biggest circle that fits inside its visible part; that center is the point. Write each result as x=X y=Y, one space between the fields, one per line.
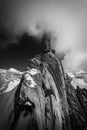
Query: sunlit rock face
x=41 y=95
x=42 y=99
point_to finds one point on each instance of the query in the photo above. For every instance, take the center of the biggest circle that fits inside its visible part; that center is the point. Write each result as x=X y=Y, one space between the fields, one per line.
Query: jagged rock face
x=43 y=99
x=30 y=100
x=42 y=93
x=8 y=85
x=77 y=106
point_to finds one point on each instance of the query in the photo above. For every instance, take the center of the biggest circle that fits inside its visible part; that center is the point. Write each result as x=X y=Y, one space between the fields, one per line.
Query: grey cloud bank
x=66 y=20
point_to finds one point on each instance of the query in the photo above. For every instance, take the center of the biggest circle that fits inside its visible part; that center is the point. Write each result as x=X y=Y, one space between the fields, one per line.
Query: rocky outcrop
x=44 y=99
x=76 y=99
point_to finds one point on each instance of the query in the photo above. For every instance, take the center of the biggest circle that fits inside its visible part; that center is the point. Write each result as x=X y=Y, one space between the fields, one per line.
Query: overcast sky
x=65 y=19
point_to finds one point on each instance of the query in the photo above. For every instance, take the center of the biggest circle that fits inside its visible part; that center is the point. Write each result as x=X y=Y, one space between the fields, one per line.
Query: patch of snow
x=80 y=72
x=79 y=82
x=30 y=80
x=71 y=74
x=12 y=85
x=33 y=71
x=28 y=103
x=15 y=71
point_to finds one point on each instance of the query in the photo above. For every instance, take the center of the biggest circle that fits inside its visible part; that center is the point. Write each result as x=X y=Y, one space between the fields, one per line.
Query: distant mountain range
x=78 y=79
x=42 y=98
x=9 y=79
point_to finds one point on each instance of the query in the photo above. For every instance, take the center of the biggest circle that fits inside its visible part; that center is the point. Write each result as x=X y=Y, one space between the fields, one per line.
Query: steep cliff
x=43 y=99
x=77 y=111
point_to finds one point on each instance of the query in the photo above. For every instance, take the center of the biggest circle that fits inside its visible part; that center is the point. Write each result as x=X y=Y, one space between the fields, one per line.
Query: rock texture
x=43 y=99
x=77 y=108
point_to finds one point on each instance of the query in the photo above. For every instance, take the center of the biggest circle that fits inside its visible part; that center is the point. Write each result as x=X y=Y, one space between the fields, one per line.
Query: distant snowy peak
x=9 y=79
x=78 y=78
x=11 y=70
x=79 y=82
x=80 y=72
x=15 y=71
x=71 y=74
x=3 y=71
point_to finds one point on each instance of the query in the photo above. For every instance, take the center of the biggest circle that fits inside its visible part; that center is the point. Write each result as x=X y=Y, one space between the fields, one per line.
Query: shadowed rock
x=44 y=99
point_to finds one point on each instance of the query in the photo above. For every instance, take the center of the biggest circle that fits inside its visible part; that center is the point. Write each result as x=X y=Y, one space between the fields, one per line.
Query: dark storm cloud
x=64 y=19
x=17 y=55
x=7 y=36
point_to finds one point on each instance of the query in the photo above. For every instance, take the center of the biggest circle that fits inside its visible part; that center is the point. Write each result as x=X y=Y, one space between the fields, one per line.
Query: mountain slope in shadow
x=42 y=99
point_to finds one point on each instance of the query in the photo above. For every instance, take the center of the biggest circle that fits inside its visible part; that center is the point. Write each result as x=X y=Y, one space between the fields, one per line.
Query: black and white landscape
x=43 y=65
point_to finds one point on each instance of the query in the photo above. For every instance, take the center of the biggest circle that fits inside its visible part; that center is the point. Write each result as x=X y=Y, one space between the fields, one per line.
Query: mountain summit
x=42 y=97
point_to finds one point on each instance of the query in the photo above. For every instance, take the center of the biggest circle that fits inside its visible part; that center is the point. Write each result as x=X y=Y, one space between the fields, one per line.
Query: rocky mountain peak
x=42 y=98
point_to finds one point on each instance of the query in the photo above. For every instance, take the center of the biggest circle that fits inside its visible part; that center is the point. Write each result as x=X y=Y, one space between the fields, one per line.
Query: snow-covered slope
x=78 y=79
x=9 y=79
x=15 y=71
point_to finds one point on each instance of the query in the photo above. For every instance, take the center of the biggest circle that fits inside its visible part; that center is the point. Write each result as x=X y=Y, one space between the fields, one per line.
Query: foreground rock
x=43 y=99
